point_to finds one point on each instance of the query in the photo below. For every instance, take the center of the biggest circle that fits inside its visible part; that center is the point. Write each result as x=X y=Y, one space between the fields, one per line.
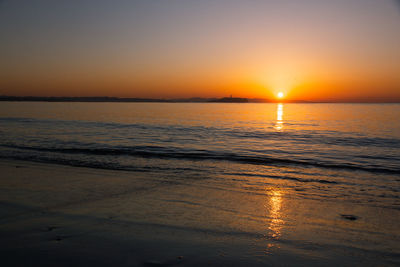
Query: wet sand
x=54 y=215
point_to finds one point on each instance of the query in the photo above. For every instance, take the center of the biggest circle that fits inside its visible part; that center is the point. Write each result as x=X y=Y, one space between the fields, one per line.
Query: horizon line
x=5 y=98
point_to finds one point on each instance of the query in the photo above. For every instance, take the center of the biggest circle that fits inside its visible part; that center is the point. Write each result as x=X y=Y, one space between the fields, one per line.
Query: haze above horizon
x=309 y=50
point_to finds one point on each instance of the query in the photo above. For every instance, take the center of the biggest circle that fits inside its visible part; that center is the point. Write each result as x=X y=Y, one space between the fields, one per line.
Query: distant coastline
x=156 y=100
x=178 y=100
x=151 y=100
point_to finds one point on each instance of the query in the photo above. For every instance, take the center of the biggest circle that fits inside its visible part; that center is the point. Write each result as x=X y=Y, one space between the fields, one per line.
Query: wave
x=198 y=155
x=283 y=177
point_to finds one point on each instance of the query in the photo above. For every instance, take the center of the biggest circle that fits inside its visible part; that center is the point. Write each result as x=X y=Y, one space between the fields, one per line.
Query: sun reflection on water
x=279 y=117
x=274 y=213
x=275 y=204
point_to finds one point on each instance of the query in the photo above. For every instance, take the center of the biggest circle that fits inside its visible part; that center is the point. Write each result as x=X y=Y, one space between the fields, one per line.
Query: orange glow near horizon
x=166 y=53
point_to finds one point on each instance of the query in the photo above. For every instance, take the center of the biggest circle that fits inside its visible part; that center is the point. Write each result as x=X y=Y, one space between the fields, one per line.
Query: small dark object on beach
x=60 y=238
x=349 y=217
x=51 y=228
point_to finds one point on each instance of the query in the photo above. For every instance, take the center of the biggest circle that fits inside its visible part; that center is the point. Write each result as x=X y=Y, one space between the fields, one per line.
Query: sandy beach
x=53 y=215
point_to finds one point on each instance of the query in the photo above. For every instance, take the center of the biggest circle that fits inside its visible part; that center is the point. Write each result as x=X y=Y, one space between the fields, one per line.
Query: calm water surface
x=353 y=147
x=341 y=157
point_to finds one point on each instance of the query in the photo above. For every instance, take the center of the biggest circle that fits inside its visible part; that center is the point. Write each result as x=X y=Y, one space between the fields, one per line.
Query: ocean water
x=340 y=157
x=353 y=148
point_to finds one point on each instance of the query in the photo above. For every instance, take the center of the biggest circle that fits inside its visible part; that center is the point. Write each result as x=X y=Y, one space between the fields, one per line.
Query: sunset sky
x=308 y=49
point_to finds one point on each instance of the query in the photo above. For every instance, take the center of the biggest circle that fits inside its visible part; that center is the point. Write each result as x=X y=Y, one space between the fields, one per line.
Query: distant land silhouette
x=186 y=100
x=129 y=99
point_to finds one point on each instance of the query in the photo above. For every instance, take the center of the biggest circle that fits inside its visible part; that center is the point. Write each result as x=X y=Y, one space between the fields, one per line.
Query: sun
x=280 y=95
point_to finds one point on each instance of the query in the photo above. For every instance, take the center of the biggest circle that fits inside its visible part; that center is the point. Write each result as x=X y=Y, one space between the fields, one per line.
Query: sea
x=345 y=157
